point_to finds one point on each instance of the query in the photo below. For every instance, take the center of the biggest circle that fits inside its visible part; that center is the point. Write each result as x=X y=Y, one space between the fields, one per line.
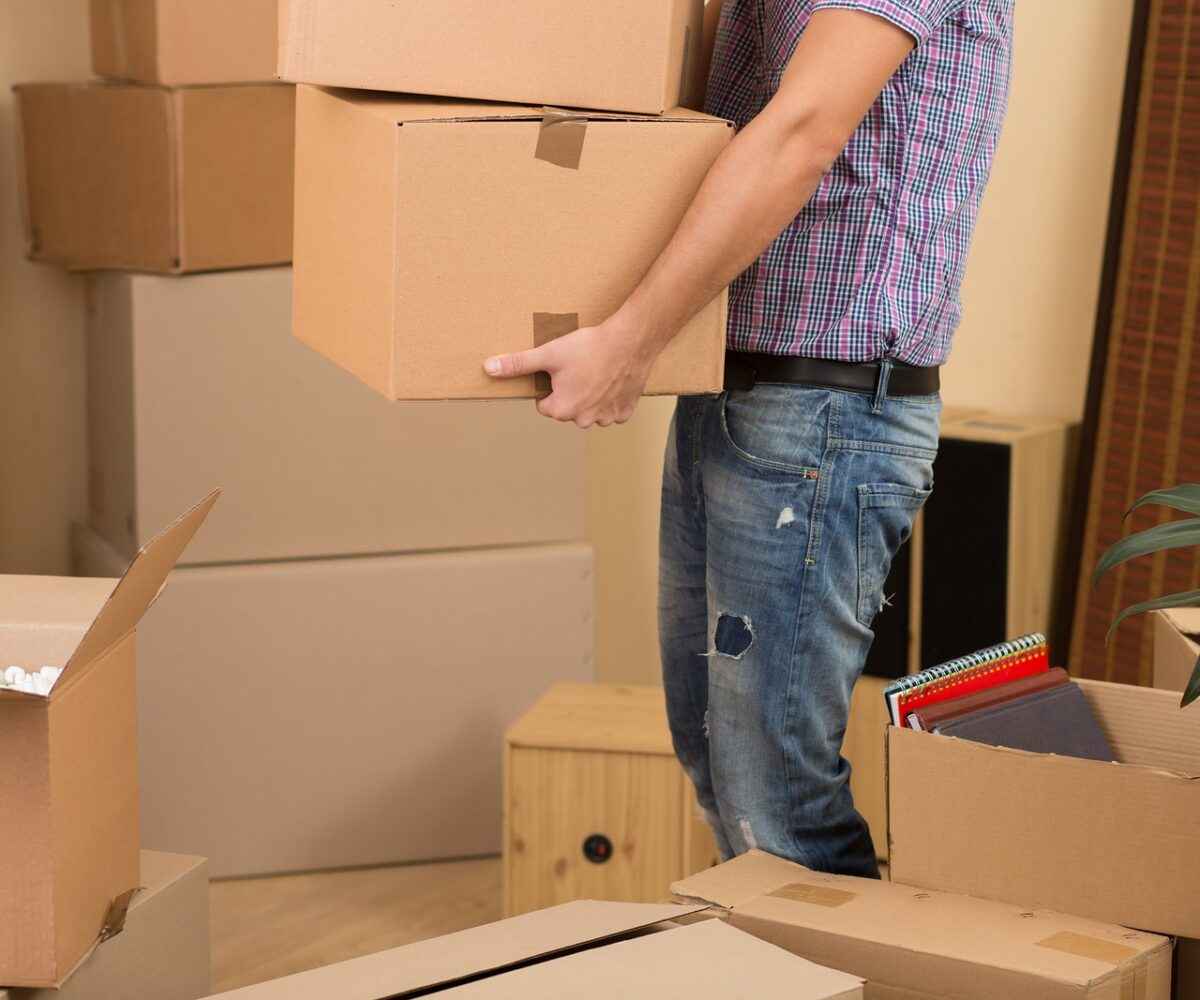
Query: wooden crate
x=596 y=805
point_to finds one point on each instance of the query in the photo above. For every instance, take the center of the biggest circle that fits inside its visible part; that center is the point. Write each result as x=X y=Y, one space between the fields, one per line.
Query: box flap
x=1185 y=620
x=419 y=968
x=828 y=918
x=407 y=109
x=704 y=960
x=755 y=873
x=1146 y=727
x=139 y=586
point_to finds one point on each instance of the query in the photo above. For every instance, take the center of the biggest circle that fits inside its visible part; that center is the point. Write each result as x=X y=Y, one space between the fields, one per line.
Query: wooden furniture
x=596 y=805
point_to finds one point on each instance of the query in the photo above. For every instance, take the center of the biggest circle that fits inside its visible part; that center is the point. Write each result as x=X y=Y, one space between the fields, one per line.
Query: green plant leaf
x=1186 y=599
x=1172 y=535
x=1185 y=497
x=1192 y=691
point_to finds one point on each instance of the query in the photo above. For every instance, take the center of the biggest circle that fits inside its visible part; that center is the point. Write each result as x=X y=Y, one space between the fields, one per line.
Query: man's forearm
x=769 y=171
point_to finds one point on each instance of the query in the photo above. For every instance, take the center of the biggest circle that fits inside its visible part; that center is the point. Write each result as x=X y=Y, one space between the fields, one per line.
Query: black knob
x=597 y=849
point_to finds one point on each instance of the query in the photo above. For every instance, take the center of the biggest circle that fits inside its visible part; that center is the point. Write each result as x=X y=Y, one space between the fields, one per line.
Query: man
x=843 y=208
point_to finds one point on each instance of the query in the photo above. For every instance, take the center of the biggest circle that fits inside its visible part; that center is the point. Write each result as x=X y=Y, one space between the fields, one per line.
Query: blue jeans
x=782 y=508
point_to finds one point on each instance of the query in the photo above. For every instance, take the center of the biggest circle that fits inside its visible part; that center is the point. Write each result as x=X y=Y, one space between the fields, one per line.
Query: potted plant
x=1171 y=535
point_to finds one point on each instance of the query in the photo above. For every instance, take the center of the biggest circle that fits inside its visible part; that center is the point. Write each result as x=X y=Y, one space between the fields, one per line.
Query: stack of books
x=1006 y=695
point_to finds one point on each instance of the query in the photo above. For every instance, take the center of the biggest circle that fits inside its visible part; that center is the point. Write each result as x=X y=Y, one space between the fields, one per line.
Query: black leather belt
x=744 y=370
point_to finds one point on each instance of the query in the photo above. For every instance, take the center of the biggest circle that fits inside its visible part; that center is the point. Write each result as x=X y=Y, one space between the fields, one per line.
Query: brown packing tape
x=817 y=895
x=560 y=138
x=1086 y=946
x=118 y=910
x=548 y=327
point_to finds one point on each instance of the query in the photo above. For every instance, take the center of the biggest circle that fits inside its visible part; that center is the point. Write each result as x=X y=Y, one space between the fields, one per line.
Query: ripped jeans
x=782 y=508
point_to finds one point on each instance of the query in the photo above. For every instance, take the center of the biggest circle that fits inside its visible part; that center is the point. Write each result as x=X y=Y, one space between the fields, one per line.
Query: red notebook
x=1008 y=661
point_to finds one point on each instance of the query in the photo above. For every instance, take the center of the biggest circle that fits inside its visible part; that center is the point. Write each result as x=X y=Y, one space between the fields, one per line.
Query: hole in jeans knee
x=734 y=636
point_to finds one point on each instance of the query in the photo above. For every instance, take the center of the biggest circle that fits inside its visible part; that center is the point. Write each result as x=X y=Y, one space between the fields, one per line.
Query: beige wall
x=1029 y=296
x=42 y=450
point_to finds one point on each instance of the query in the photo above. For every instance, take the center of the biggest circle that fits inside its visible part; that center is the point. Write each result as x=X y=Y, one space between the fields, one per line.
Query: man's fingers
x=515 y=365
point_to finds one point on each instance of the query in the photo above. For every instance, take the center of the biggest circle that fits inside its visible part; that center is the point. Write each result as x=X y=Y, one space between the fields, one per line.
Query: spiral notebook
x=999 y=664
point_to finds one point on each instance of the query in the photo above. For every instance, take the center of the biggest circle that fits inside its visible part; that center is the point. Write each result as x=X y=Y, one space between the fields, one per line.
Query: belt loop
x=881 y=387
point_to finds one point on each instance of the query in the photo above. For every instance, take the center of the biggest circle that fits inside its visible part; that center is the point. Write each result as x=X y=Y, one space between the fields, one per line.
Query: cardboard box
x=1114 y=842
x=182 y=42
x=583 y=950
x=628 y=55
x=596 y=760
x=195 y=380
x=910 y=944
x=432 y=234
x=162 y=954
x=307 y=714
x=69 y=781
x=152 y=179
x=1176 y=649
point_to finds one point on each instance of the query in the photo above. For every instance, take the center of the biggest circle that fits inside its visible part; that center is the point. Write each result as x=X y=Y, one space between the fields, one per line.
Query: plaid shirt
x=871 y=266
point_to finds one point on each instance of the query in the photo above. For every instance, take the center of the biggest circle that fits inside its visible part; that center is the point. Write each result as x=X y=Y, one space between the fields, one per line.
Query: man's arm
x=754 y=189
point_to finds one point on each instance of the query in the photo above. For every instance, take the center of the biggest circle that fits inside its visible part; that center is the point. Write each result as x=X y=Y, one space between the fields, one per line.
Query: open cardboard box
x=623 y=55
x=1114 y=842
x=584 y=950
x=910 y=944
x=69 y=788
x=432 y=234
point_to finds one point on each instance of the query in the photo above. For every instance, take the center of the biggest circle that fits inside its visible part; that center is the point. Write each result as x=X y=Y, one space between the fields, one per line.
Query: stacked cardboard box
x=180 y=161
x=432 y=233
x=69 y=783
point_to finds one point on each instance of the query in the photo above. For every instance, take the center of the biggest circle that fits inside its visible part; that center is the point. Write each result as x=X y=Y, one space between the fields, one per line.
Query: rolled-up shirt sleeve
x=920 y=18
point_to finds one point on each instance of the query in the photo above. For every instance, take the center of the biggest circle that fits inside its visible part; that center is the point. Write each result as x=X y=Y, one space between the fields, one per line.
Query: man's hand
x=597 y=373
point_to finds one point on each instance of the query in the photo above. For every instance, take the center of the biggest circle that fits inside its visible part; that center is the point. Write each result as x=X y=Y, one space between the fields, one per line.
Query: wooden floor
x=266 y=928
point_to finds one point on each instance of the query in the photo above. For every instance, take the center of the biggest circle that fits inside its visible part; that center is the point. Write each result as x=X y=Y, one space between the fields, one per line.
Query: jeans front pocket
x=886 y=512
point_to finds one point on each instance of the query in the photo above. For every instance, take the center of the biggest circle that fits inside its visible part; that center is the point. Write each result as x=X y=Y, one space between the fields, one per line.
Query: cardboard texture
x=70 y=783
x=423 y=658
x=155 y=179
x=1047 y=831
x=1175 y=647
x=429 y=236
x=628 y=55
x=920 y=945
x=162 y=954
x=194 y=380
x=182 y=42
x=584 y=950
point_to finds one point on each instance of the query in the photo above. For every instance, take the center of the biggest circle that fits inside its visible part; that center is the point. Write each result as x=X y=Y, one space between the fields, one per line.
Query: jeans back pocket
x=886 y=512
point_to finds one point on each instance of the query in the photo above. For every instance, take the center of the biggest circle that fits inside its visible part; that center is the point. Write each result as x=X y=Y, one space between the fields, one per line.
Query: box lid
x=1186 y=622
x=621 y=718
x=421 y=968
x=903 y=920
x=406 y=109
x=56 y=608
x=702 y=960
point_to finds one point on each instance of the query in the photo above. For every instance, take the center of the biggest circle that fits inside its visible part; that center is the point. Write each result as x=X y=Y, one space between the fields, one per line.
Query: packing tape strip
x=560 y=138
x=1086 y=946
x=817 y=895
x=114 y=919
x=548 y=327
